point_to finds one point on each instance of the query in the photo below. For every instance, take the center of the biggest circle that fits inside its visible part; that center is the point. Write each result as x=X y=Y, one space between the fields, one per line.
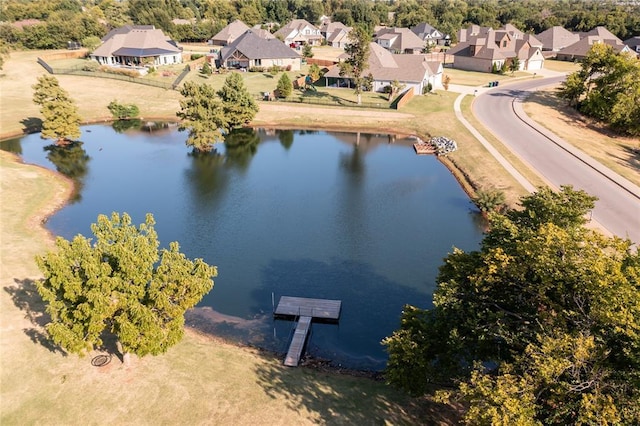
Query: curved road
x=618 y=205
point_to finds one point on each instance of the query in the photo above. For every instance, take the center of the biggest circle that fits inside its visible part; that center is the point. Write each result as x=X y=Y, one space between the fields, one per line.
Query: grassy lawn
x=561 y=66
x=198 y=380
x=474 y=78
x=202 y=379
x=619 y=153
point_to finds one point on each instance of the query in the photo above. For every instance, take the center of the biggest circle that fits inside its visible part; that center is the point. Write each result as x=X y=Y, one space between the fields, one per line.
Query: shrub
x=427 y=89
x=284 y=87
x=195 y=56
x=123 y=111
x=256 y=69
x=489 y=200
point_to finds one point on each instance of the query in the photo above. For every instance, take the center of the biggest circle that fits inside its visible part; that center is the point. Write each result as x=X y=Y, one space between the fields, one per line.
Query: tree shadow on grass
x=339 y=398
x=26 y=298
x=31 y=124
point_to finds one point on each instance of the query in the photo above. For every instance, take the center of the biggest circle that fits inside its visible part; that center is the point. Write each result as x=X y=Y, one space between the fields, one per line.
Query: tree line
x=76 y=20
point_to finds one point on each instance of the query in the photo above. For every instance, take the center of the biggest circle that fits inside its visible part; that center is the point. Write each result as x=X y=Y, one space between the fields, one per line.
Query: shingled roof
x=136 y=41
x=254 y=47
x=384 y=65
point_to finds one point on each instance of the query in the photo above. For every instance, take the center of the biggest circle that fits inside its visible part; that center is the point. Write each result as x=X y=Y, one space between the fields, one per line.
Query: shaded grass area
x=197 y=381
x=617 y=152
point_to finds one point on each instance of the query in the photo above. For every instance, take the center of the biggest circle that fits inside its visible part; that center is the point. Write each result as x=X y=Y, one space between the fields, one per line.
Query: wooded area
x=65 y=20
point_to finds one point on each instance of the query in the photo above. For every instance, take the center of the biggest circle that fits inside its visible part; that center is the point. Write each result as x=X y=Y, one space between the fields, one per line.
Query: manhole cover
x=100 y=360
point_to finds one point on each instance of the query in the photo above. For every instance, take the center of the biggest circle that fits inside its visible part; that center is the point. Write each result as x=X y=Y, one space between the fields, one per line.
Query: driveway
x=618 y=205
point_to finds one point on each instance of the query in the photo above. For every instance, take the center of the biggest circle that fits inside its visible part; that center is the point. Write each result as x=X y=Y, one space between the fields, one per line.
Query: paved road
x=618 y=207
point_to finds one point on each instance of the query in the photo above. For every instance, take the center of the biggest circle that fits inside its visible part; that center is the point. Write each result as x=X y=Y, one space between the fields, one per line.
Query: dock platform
x=302 y=306
x=305 y=310
x=424 y=148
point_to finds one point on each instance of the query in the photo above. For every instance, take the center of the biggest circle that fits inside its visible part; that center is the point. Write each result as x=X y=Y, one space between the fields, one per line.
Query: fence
x=404 y=98
x=147 y=82
x=320 y=62
x=330 y=102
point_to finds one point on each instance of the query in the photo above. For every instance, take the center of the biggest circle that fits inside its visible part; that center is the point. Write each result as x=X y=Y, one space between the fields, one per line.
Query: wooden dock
x=424 y=148
x=297 y=343
x=305 y=310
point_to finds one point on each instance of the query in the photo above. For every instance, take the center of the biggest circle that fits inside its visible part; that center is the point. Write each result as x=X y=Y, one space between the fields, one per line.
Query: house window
x=258 y=62
x=504 y=43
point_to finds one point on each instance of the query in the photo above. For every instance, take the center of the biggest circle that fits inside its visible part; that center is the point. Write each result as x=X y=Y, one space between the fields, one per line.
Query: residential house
x=336 y=34
x=430 y=35
x=555 y=38
x=579 y=50
x=412 y=71
x=299 y=32
x=249 y=50
x=487 y=50
x=137 y=45
x=399 y=40
x=228 y=34
x=633 y=43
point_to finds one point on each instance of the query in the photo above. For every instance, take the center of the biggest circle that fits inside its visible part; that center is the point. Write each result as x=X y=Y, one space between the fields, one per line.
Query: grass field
x=200 y=380
x=473 y=78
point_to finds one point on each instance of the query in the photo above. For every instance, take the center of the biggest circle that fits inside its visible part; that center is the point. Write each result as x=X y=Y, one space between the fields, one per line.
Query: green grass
x=474 y=78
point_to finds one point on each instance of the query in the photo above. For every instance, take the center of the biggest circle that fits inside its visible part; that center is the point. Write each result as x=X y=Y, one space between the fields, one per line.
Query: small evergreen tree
x=284 y=87
x=206 y=69
x=61 y=119
x=239 y=106
x=307 y=52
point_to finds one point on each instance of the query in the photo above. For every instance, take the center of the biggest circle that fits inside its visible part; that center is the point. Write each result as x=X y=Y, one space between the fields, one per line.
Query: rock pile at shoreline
x=443 y=145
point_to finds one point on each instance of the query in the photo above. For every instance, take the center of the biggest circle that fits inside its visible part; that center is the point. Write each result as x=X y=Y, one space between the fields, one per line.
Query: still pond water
x=359 y=218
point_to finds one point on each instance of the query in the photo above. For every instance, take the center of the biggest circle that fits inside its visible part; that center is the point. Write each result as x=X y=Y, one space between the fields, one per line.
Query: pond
x=355 y=217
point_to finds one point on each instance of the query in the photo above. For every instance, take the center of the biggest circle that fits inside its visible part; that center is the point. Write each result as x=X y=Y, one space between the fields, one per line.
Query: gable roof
x=633 y=42
x=602 y=33
x=402 y=39
x=582 y=46
x=555 y=38
x=254 y=47
x=231 y=32
x=425 y=31
x=386 y=66
x=297 y=27
x=136 y=41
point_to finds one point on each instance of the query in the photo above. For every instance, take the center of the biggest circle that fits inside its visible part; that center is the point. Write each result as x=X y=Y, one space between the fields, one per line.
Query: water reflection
x=359 y=218
x=240 y=146
x=72 y=161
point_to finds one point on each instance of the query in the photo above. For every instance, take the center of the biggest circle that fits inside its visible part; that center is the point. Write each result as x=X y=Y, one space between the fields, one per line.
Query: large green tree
x=358 y=60
x=121 y=283
x=606 y=88
x=203 y=115
x=61 y=119
x=541 y=325
x=239 y=106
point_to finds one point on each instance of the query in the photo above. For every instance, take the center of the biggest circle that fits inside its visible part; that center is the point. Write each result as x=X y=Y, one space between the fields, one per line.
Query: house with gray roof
x=231 y=32
x=413 y=71
x=633 y=43
x=137 y=45
x=249 y=51
x=578 y=50
x=555 y=38
x=335 y=33
x=430 y=35
x=399 y=40
x=488 y=50
x=299 y=32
